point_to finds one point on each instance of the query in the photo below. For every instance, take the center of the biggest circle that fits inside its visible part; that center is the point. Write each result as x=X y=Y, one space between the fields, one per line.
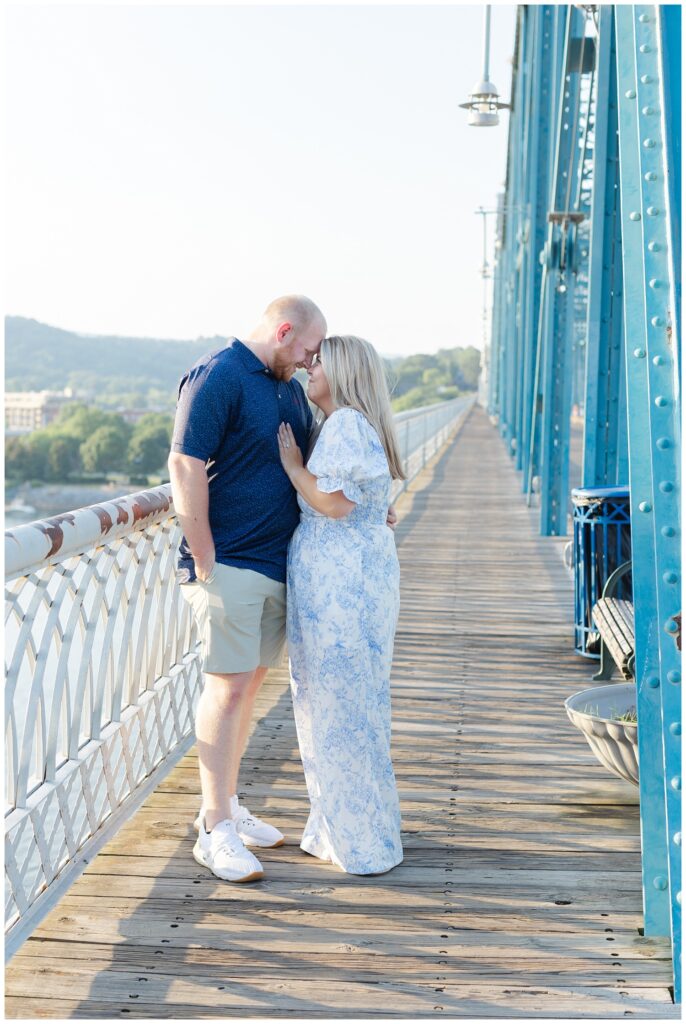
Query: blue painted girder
x=652 y=360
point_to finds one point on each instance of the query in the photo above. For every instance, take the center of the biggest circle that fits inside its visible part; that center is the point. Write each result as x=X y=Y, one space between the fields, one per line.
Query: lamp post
x=485 y=273
x=484 y=103
x=486 y=276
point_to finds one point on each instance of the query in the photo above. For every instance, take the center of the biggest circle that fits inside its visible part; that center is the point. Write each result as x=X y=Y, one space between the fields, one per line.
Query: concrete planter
x=614 y=743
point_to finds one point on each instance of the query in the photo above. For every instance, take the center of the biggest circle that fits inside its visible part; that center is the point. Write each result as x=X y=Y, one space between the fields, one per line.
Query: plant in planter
x=606 y=715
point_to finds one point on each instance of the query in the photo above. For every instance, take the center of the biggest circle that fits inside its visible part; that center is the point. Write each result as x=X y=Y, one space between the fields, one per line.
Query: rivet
x=675 y=728
x=660 y=882
x=667 y=531
x=653 y=682
x=657 y=321
x=653 y=211
x=643 y=18
x=655 y=282
x=674 y=677
x=634 y=215
x=660 y=401
x=645 y=506
x=640 y=353
x=676 y=782
x=649 y=143
x=671 y=626
x=666 y=486
x=650 y=176
x=670 y=577
x=644 y=48
x=663 y=443
x=677 y=838
x=646 y=79
x=648 y=111
x=630 y=94
x=658 y=360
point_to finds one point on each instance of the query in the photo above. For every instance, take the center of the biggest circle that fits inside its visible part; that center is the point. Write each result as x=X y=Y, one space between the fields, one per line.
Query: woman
x=342 y=610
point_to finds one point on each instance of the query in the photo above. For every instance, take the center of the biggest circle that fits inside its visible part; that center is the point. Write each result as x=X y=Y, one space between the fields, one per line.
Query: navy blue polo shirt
x=228 y=413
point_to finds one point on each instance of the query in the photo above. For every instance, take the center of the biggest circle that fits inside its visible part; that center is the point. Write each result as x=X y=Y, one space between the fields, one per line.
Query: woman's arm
x=334 y=505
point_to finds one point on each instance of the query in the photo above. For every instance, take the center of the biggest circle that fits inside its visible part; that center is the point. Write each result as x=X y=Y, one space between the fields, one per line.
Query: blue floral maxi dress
x=343 y=597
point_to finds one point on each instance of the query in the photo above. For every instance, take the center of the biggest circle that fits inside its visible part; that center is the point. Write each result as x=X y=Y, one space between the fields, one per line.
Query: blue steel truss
x=606 y=452
x=587 y=303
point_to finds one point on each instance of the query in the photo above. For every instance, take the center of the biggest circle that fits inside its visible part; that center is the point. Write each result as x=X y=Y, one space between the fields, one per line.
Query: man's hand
x=204 y=567
x=392 y=517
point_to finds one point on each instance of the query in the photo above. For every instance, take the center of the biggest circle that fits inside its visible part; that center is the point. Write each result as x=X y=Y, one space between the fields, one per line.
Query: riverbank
x=26 y=502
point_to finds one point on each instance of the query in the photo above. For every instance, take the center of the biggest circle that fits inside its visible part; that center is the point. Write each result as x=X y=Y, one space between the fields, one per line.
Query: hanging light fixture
x=484 y=103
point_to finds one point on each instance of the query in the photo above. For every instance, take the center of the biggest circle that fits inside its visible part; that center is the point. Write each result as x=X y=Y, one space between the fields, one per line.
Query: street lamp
x=486 y=275
x=485 y=272
x=484 y=103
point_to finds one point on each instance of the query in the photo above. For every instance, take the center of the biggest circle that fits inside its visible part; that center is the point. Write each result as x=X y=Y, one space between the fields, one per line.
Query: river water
x=52 y=499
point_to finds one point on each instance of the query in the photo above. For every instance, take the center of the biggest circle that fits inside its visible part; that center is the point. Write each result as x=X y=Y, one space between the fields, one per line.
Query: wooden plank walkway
x=520 y=891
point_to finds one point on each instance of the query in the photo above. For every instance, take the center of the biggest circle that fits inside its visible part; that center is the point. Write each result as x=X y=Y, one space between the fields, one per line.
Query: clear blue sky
x=170 y=169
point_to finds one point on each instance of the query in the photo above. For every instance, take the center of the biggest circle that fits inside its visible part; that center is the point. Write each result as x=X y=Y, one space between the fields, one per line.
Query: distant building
x=132 y=415
x=30 y=410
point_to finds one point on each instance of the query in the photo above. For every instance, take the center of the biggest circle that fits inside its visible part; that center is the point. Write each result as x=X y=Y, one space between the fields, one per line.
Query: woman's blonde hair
x=357 y=380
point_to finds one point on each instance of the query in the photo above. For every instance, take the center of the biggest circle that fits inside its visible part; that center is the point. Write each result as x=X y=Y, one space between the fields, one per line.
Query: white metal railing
x=103 y=673
x=101 y=680
x=422 y=432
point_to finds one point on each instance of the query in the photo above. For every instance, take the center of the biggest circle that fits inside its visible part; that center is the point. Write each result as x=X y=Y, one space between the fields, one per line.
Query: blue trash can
x=602 y=542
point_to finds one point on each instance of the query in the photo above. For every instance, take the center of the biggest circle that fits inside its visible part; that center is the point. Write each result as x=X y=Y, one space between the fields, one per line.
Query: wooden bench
x=614 y=620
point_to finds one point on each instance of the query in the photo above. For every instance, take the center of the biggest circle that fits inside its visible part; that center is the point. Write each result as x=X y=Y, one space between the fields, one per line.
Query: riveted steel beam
x=535 y=199
x=605 y=431
x=557 y=306
x=652 y=327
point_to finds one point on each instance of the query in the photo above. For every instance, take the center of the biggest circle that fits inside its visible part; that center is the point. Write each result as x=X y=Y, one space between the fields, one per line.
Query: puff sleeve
x=347 y=455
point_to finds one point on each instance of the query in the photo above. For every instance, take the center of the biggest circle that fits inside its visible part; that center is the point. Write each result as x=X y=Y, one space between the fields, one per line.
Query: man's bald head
x=298 y=310
x=289 y=334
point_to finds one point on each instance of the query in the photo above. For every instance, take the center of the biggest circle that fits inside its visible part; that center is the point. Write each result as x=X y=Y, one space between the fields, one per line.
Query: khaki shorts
x=241 y=618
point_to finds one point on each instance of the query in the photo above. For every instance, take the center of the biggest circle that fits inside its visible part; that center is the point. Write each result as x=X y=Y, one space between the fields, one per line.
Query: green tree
x=105 y=451
x=415 y=398
x=433 y=377
x=82 y=421
x=148 y=448
x=26 y=457
x=157 y=420
x=469 y=363
x=62 y=457
x=411 y=371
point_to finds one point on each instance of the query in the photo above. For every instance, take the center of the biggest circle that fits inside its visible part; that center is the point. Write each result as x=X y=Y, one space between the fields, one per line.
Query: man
x=238 y=510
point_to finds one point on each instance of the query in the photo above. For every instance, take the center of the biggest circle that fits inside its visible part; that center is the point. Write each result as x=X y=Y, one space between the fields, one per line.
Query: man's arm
x=190 y=490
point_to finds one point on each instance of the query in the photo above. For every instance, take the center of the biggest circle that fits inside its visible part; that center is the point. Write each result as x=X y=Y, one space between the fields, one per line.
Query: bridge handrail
x=103 y=673
x=46 y=541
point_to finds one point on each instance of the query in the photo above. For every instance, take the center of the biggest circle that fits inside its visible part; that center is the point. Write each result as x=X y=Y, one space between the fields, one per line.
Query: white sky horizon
x=170 y=169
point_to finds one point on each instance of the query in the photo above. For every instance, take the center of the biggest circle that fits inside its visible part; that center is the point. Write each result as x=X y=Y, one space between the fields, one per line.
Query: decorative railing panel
x=100 y=681
x=103 y=672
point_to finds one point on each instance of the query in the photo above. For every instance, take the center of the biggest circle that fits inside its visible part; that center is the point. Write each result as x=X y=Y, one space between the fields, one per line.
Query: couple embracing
x=286 y=518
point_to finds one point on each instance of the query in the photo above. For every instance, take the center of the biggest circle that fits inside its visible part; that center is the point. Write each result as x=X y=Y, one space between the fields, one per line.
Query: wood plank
x=367 y=967
x=322 y=1000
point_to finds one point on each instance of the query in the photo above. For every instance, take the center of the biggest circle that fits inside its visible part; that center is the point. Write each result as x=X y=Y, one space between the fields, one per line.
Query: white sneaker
x=253 y=831
x=222 y=851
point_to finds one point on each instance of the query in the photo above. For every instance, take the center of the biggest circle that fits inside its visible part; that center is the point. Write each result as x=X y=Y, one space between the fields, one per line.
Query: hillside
x=118 y=372
x=132 y=371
